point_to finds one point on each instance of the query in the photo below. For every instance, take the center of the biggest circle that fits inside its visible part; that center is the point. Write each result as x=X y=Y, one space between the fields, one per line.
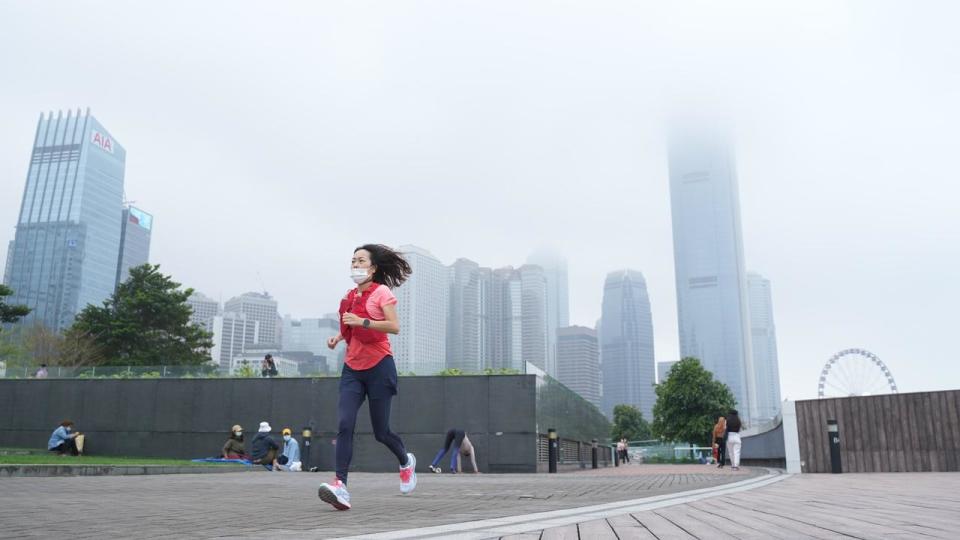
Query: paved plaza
x=636 y=501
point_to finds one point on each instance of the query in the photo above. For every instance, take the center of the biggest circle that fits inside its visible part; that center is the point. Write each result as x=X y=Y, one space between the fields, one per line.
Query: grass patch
x=50 y=459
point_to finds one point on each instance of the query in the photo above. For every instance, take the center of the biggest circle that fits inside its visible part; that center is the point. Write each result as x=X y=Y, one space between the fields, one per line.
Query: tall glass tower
x=711 y=281
x=764 y=335
x=67 y=243
x=626 y=344
x=135 y=233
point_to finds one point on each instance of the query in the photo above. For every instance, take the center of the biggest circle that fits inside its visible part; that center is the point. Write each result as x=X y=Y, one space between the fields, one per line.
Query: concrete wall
x=764 y=447
x=188 y=418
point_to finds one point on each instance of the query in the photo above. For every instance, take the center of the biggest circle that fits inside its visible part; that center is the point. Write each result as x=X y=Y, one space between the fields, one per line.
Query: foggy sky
x=272 y=139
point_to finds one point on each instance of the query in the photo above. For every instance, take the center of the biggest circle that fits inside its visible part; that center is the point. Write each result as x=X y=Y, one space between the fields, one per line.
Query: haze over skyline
x=272 y=140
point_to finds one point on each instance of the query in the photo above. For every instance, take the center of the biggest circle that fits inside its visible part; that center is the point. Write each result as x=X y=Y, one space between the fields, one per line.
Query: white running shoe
x=435 y=469
x=408 y=475
x=335 y=494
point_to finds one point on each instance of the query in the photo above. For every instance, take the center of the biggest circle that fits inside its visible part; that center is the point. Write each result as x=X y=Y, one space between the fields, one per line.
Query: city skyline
x=486 y=154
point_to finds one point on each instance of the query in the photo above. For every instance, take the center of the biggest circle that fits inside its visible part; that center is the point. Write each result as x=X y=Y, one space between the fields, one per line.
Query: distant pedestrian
x=233 y=448
x=625 y=457
x=733 y=438
x=65 y=440
x=268 y=367
x=719 y=437
x=263 y=449
x=42 y=372
x=367 y=314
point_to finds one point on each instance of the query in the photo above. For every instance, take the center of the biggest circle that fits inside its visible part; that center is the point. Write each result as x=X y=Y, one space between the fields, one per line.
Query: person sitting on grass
x=290 y=459
x=64 y=440
x=263 y=449
x=233 y=448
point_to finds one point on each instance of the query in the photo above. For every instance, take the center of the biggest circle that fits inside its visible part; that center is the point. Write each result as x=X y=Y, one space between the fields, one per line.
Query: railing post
x=593 y=453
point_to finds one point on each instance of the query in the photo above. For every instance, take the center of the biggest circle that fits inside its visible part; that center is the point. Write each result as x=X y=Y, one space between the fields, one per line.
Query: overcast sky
x=272 y=138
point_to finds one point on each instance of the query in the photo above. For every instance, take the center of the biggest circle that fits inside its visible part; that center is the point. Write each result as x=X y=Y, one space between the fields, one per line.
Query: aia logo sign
x=102 y=141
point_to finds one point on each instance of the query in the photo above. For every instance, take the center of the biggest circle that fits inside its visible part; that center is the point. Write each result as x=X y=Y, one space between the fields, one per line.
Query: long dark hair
x=733 y=421
x=392 y=268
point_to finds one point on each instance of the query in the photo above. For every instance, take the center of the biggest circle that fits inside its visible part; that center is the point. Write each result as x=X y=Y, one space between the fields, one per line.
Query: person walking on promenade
x=367 y=314
x=733 y=438
x=720 y=440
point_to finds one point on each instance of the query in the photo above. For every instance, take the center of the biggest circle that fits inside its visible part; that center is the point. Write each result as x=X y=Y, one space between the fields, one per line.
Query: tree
x=10 y=313
x=146 y=322
x=689 y=402
x=628 y=423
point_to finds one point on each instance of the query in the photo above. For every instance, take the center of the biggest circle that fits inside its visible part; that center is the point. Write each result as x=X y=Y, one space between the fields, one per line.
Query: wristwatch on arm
x=366 y=323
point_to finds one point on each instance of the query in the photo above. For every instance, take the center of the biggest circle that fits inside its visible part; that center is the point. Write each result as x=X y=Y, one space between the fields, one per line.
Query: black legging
x=454 y=437
x=722 y=450
x=379 y=383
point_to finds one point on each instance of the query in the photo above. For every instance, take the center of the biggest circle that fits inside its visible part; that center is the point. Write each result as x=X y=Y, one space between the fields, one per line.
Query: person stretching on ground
x=458 y=440
x=367 y=314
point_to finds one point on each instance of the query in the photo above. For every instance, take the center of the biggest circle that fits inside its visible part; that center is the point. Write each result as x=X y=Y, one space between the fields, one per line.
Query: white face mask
x=238 y=433
x=359 y=275
x=286 y=437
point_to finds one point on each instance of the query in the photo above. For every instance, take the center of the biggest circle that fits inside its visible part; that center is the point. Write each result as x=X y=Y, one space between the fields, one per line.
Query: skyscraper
x=506 y=319
x=708 y=259
x=260 y=307
x=67 y=243
x=204 y=310
x=135 y=229
x=626 y=343
x=764 y=341
x=535 y=340
x=233 y=334
x=312 y=335
x=421 y=345
x=663 y=370
x=578 y=361
x=467 y=318
x=558 y=304
x=8 y=264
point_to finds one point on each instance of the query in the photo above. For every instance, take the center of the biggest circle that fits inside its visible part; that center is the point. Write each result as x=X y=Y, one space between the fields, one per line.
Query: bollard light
x=306 y=434
x=553 y=450
x=833 y=436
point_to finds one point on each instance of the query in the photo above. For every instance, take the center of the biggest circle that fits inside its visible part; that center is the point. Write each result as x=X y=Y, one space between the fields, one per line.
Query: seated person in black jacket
x=263 y=449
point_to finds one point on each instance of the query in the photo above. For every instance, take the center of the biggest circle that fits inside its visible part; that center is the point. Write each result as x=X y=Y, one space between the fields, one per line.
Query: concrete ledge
x=7 y=471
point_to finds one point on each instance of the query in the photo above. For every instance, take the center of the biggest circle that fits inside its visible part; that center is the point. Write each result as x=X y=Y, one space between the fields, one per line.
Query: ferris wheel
x=855 y=372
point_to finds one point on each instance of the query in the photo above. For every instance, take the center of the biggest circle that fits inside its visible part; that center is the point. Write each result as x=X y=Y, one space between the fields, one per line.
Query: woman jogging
x=367 y=314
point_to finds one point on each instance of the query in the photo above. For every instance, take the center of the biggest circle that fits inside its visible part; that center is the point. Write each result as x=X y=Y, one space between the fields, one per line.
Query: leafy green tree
x=10 y=313
x=146 y=322
x=689 y=402
x=628 y=423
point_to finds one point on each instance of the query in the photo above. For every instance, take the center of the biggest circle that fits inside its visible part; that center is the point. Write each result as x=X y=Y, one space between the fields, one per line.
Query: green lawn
x=49 y=459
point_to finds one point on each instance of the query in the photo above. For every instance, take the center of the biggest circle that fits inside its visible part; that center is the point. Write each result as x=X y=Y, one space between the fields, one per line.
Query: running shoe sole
x=329 y=497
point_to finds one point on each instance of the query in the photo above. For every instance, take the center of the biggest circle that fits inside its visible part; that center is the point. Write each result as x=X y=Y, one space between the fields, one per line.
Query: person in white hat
x=263 y=449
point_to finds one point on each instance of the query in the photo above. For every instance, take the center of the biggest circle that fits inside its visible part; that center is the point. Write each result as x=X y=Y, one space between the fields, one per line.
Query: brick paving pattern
x=261 y=504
